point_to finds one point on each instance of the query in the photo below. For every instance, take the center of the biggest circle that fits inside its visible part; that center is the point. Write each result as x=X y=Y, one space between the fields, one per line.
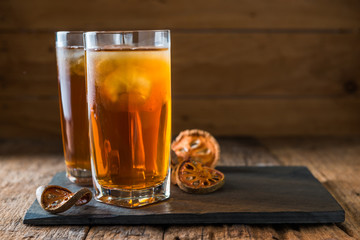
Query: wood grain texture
x=251 y=82
x=239 y=64
x=223 y=62
x=266 y=116
x=325 y=157
x=264 y=232
x=335 y=163
x=245 y=152
x=210 y=64
x=125 y=232
x=110 y=14
x=19 y=179
x=39 y=118
x=30 y=118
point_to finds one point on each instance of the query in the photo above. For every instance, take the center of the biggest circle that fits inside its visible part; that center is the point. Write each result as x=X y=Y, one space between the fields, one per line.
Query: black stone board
x=251 y=195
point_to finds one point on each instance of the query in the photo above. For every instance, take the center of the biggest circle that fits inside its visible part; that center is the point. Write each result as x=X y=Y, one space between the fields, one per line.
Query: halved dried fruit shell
x=198 y=145
x=192 y=177
x=57 y=199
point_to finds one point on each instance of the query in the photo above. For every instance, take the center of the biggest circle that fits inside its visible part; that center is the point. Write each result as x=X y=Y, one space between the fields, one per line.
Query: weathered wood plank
x=29 y=148
x=30 y=118
x=125 y=232
x=39 y=118
x=210 y=64
x=289 y=232
x=308 y=67
x=18 y=168
x=247 y=232
x=28 y=65
x=335 y=163
x=261 y=117
x=45 y=15
x=244 y=152
x=20 y=175
x=268 y=65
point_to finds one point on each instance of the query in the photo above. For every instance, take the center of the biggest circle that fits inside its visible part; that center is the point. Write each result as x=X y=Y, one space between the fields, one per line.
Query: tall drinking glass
x=129 y=106
x=73 y=106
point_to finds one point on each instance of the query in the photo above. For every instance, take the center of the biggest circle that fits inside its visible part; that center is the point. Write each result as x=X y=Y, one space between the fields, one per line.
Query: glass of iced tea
x=73 y=106
x=129 y=105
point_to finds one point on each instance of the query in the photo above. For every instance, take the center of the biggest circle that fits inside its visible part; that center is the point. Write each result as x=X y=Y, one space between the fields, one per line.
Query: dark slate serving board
x=252 y=195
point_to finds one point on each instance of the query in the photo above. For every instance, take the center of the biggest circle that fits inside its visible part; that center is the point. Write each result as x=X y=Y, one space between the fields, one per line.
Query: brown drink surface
x=73 y=107
x=129 y=93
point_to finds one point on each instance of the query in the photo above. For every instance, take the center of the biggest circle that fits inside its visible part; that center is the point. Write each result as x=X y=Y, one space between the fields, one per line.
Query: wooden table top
x=335 y=162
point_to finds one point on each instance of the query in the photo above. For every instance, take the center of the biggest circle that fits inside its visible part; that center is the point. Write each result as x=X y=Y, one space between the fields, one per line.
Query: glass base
x=133 y=198
x=79 y=176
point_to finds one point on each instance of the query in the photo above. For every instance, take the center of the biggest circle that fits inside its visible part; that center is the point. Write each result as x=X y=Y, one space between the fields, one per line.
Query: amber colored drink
x=73 y=112
x=129 y=94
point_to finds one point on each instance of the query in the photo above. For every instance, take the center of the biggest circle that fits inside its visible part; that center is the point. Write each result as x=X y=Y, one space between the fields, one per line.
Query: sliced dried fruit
x=57 y=199
x=192 y=177
x=198 y=145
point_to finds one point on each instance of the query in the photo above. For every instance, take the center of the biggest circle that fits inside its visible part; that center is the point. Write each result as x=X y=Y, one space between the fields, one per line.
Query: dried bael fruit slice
x=192 y=177
x=57 y=199
x=198 y=145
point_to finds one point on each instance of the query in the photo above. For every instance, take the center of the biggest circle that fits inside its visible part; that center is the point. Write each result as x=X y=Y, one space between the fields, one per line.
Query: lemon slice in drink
x=126 y=88
x=117 y=83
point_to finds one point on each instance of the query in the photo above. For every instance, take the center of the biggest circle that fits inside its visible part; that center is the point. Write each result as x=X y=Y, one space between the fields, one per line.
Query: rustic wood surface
x=186 y=14
x=218 y=64
x=235 y=57
x=334 y=161
x=221 y=116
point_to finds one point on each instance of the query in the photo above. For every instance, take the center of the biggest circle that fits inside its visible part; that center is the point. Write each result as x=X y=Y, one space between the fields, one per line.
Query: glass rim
x=69 y=38
x=69 y=32
x=99 y=39
x=124 y=31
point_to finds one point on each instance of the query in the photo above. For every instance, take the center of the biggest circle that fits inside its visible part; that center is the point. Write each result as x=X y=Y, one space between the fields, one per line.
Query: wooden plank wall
x=239 y=67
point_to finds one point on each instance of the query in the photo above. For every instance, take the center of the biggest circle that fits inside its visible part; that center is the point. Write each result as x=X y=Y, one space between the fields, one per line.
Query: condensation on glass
x=129 y=106
x=73 y=106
